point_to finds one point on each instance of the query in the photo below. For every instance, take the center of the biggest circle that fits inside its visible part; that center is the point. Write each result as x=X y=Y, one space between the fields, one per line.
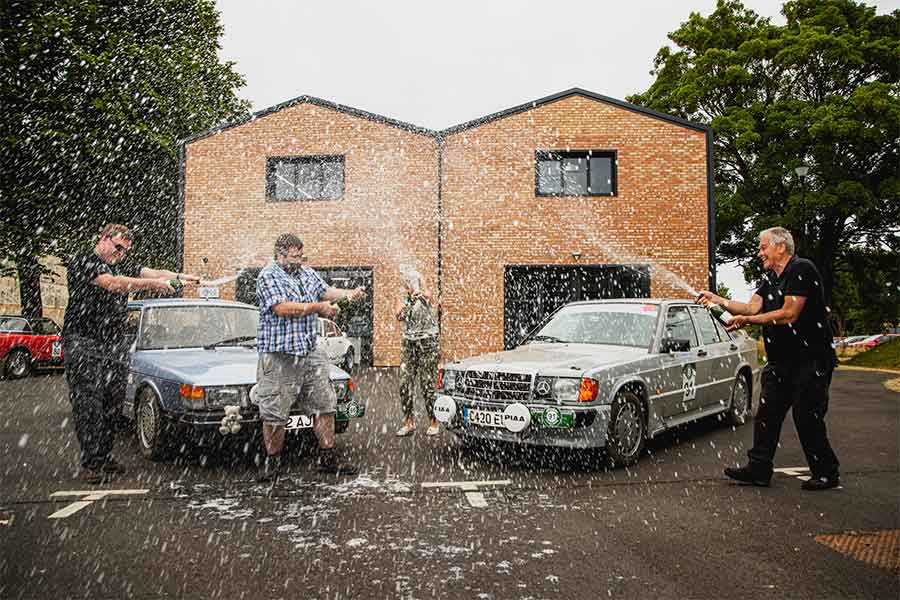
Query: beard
x=293 y=269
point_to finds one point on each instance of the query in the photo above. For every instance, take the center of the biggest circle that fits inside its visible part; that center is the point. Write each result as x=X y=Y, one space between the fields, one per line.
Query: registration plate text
x=484 y=418
x=299 y=422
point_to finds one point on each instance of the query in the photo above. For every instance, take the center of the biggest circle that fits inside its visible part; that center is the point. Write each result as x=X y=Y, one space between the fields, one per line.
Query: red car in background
x=27 y=344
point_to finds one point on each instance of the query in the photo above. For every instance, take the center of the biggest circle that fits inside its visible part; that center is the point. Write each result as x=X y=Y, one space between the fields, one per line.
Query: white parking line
x=800 y=473
x=473 y=496
x=88 y=497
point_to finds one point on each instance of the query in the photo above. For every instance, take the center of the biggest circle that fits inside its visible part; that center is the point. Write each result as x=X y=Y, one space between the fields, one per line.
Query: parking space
x=427 y=518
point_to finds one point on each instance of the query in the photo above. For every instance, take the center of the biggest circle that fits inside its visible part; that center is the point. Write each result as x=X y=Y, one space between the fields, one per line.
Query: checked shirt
x=290 y=335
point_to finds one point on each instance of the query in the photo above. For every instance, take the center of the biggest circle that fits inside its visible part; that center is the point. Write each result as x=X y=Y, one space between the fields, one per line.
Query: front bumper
x=588 y=425
x=212 y=419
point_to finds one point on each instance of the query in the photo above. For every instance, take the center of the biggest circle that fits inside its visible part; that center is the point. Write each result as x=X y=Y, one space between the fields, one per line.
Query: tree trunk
x=29 y=270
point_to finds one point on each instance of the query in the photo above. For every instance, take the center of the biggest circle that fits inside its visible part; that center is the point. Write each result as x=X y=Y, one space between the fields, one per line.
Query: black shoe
x=270 y=469
x=329 y=463
x=747 y=476
x=91 y=476
x=820 y=483
x=113 y=466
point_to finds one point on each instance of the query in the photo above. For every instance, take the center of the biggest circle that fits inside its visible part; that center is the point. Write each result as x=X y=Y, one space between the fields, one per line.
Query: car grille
x=491 y=385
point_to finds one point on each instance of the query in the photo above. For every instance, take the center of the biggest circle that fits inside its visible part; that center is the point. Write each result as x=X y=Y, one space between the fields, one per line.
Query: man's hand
x=357 y=293
x=707 y=298
x=737 y=322
x=188 y=277
x=162 y=285
x=326 y=309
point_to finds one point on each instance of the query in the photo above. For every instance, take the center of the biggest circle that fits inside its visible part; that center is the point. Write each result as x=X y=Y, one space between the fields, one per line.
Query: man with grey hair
x=790 y=306
x=291 y=368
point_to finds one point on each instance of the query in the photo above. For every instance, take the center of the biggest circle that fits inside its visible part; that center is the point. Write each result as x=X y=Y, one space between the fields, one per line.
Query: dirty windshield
x=194 y=326
x=609 y=324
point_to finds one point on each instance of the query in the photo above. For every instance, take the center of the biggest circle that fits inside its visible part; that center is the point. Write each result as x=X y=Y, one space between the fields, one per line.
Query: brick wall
x=387 y=217
x=493 y=218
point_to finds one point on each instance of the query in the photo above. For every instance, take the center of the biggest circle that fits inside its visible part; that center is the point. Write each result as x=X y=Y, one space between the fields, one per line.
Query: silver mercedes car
x=604 y=374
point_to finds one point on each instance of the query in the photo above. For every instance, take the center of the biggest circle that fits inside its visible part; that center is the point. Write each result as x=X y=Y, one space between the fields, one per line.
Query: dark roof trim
x=318 y=102
x=573 y=92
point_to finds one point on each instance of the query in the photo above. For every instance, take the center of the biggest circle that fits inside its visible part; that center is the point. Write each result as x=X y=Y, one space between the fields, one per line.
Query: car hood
x=229 y=365
x=551 y=359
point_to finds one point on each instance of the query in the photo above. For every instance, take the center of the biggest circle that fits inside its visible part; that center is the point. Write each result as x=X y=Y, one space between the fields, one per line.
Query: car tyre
x=740 y=401
x=349 y=361
x=17 y=364
x=626 y=432
x=154 y=434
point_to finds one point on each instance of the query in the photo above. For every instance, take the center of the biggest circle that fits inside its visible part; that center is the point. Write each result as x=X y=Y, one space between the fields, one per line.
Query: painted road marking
x=798 y=472
x=87 y=498
x=474 y=497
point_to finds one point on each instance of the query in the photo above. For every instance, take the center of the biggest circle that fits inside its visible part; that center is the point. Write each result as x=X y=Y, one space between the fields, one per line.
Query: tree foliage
x=95 y=97
x=821 y=91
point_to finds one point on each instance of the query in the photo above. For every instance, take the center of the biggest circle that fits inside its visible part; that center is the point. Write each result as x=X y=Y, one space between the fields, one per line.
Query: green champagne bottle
x=720 y=314
x=342 y=303
x=176 y=284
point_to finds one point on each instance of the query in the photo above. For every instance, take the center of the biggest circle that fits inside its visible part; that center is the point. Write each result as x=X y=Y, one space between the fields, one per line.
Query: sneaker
x=433 y=429
x=820 y=483
x=329 y=463
x=747 y=476
x=113 y=466
x=270 y=469
x=407 y=429
x=91 y=476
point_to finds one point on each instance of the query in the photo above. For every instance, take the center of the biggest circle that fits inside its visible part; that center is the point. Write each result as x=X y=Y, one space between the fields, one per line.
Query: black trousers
x=805 y=389
x=96 y=378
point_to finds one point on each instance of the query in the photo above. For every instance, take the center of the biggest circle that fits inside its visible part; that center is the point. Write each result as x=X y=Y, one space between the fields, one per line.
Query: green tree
x=95 y=96
x=821 y=91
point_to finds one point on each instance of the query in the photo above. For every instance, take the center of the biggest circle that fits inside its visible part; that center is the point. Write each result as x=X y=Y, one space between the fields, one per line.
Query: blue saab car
x=193 y=363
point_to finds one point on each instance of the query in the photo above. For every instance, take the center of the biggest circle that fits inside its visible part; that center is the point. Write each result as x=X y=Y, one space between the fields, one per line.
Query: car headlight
x=447 y=379
x=225 y=395
x=566 y=389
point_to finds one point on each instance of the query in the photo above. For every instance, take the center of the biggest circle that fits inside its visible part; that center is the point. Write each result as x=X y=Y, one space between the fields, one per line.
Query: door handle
x=733 y=347
x=701 y=353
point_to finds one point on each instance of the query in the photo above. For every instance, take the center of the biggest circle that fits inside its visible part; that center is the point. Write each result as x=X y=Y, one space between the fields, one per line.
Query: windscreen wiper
x=546 y=338
x=226 y=342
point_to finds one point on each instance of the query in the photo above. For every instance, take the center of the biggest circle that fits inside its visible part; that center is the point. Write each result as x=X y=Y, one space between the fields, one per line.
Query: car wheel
x=17 y=365
x=153 y=432
x=349 y=361
x=626 y=432
x=740 y=401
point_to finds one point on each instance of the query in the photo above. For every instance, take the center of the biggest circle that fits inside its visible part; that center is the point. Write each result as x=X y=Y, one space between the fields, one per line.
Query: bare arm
x=148 y=273
x=119 y=284
x=335 y=293
x=787 y=314
x=303 y=309
x=733 y=306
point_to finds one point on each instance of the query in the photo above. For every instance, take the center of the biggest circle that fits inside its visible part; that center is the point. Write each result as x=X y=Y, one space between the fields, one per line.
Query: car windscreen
x=610 y=324
x=195 y=325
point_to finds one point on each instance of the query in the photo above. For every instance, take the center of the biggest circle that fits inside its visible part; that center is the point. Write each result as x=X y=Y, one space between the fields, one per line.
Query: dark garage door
x=532 y=292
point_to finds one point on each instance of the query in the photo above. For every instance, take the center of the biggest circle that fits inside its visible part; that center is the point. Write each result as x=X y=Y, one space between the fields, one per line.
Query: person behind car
x=291 y=368
x=790 y=306
x=419 y=348
x=94 y=341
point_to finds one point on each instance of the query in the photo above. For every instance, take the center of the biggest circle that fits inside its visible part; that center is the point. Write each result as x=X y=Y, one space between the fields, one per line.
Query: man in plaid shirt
x=291 y=297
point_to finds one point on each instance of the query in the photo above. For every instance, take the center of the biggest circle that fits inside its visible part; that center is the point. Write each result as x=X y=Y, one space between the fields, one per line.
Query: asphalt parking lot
x=427 y=518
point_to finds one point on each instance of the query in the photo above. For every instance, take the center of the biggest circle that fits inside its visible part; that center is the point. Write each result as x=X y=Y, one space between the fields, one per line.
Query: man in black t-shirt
x=99 y=281
x=790 y=306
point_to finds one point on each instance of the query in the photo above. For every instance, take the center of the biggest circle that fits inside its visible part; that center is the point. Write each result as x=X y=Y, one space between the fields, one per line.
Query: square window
x=575 y=173
x=305 y=178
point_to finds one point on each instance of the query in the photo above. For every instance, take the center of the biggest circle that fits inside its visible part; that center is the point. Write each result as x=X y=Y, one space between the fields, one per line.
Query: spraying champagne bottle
x=342 y=303
x=718 y=312
x=176 y=284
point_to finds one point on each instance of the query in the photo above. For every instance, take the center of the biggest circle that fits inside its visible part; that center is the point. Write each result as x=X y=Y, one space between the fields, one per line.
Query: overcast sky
x=438 y=64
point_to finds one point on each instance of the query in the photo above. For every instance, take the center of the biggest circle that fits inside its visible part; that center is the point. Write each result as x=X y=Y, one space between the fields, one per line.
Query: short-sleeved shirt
x=92 y=311
x=808 y=339
x=291 y=335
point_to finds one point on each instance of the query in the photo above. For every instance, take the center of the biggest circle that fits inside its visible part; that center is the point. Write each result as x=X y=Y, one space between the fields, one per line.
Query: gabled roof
x=572 y=92
x=318 y=102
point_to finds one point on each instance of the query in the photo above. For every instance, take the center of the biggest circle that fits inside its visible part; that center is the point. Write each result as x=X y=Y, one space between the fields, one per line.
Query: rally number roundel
x=516 y=417
x=444 y=409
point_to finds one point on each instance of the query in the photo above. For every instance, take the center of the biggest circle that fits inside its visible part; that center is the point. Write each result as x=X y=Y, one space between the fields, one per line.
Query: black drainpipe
x=711 y=209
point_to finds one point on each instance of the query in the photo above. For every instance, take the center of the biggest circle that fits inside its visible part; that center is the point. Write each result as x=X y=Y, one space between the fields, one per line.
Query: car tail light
x=589 y=389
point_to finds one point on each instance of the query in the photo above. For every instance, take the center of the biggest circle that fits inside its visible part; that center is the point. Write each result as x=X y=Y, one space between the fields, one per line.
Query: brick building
x=573 y=196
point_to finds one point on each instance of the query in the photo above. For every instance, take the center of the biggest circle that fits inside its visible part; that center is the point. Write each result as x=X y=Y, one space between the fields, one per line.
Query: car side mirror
x=669 y=345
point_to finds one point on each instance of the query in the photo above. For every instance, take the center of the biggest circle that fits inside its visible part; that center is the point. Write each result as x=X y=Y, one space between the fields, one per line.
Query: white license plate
x=299 y=422
x=484 y=418
x=56 y=349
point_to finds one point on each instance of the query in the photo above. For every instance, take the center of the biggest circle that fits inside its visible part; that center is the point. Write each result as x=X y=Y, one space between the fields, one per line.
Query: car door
x=716 y=369
x=679 y=381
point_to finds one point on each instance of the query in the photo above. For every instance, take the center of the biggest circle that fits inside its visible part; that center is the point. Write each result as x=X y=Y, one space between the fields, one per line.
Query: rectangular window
x=305 y=177
x=575 y=173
